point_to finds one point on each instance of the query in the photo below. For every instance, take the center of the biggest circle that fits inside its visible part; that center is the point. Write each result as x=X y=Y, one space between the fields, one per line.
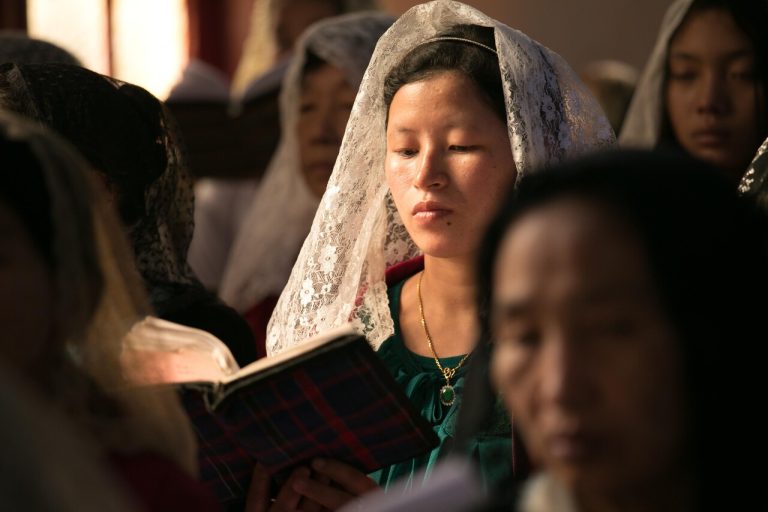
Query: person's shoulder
x=160 y=484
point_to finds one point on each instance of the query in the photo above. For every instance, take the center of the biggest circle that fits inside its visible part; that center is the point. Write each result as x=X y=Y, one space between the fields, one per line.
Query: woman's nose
x=712 y=95
x=431 y=170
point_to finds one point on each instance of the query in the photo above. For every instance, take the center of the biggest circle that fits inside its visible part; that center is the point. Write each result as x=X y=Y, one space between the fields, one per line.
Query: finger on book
x=323 y=494
x=308 y=505
x=287 y=498
x=344 y=475
x=258 y=491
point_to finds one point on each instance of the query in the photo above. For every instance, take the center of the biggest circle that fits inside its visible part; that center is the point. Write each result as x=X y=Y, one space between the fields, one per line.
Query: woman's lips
x=711 y=137
x=573 y=447
x=429 y=211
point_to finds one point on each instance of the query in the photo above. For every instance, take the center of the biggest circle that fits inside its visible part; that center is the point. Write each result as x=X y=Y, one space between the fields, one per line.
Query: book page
x=159 y=352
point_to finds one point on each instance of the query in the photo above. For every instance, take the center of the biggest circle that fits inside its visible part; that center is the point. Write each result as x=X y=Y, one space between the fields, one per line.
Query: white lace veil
x=357 y=233
x=281 y=213
x=642 y=124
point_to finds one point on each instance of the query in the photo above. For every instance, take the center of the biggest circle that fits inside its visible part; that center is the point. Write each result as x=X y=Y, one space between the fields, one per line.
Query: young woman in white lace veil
x=70 y=301
x=282 y=209
x=703 y=87
x=357 y=233
x=484 y=106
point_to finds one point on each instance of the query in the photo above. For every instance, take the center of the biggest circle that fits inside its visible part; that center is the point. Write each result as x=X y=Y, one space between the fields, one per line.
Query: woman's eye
x=682 y=76
x=461 y=149
x=406 y=152
x=746 y=76
x=515 y=336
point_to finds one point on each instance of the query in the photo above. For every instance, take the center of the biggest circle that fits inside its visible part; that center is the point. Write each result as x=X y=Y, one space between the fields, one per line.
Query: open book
x=328 y=397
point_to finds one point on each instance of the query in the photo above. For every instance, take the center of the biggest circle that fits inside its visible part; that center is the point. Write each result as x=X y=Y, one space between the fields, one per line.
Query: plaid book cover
x=338 y=401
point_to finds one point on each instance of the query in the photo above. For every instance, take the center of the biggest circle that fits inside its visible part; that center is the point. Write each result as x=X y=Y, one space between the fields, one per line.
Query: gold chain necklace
x=447 y=393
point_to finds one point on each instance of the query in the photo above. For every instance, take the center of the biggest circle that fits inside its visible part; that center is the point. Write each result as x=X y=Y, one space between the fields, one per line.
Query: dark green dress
x=421 y=380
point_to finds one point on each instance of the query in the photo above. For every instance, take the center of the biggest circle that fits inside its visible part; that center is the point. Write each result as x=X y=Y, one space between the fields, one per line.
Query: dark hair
x=751 y=17
x=478 y=64
x=709 y=258
x=312 y=62
x=25 y=192
x=39 y=173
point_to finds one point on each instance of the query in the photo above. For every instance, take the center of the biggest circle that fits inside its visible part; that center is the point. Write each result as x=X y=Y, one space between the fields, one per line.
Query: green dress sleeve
x=421 y=381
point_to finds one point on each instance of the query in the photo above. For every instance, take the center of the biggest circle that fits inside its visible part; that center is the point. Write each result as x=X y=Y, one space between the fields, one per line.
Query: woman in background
x=703 y=90
x=317 y=97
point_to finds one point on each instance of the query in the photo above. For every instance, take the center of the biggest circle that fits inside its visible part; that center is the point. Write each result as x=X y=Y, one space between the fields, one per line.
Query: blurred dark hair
x=708 y=255
x=312 y=62
x=478 y=64
x=25 y=192
x=44 y=184
x=751 y=16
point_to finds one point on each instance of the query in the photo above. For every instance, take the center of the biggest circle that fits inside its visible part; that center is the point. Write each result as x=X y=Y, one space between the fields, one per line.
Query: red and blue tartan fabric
x=337 y=402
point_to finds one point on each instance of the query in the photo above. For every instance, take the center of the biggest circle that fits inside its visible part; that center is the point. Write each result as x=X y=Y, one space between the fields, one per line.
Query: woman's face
x=448 y=163
x=326 y=101
x=584 y=357
x=712 y=95
x=26 y=304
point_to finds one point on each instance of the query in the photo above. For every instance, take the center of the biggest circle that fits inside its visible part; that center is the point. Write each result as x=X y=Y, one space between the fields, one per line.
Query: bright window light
x=78 y=26
x=149 y=42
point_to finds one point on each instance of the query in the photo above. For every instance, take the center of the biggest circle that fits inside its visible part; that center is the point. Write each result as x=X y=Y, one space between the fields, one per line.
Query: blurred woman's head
x=618 y=297
x=36 y=316
x=325 y=103
x=716 y=79
x=315 y=104
x=69 y=293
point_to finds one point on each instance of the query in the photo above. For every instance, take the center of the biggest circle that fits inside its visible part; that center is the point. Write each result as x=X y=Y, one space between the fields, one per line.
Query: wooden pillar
x=207 y=36
x=217 y=30
x=13 y=15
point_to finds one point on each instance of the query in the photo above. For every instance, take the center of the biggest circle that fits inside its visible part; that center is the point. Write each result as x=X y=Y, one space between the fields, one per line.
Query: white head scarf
x=642 y=124
x=282 y=210
x=357 y=233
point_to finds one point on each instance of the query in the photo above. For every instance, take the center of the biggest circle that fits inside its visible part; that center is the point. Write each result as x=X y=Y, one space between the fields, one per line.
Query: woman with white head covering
x=703 y=88
x=454 y=107
x=316 y=98
x=222 y=204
